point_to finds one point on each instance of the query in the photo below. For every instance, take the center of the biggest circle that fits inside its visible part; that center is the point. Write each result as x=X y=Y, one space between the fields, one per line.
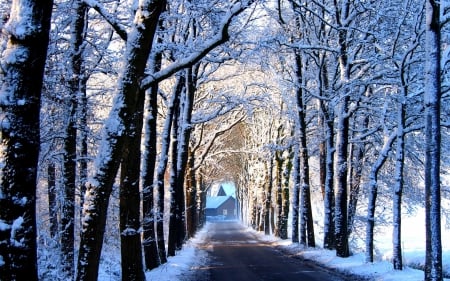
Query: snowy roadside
x=354 y=265
x=179 y=267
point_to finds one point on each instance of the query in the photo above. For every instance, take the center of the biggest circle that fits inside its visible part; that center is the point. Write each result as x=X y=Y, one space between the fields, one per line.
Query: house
x=221 y=206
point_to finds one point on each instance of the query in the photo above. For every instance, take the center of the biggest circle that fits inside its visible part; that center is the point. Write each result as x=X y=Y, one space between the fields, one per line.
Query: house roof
x=226 y=187
x=221 y=192
x=216 y=202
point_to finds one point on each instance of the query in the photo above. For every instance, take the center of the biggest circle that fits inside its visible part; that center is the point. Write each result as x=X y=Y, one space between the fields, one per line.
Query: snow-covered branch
x=445 y=19
x=217 y=134
x=108 y=17
x=221 y=37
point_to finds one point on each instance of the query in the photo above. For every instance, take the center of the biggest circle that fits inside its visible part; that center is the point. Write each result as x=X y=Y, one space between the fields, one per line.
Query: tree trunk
x=322 y=150
x=329 y=199
x=182 y=153
x=83 y=145
x=279 y=199
x=70 y=141
x=356 y=160
x=130 y=235
x=259 y=218
x=265 y=221
x=150 y=152
x=174 y=193
x=296 y=198
x=285 y=195
x=22 y=64
x=99 y=190
x=68 y=201
x=341 y=233
x=52 y=203
x=373 y=192
x=285 y=212
x=306 y=219
x=397 y=260
x=327 y=113
x=162 y=166
x=253 y=210
x=191 y=197
x=268 y=198
x=201 y=205
x=433 y=265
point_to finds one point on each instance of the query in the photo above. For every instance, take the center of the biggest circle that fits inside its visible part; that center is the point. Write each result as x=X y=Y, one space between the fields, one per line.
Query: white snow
x=16 y=55
x=23 y=25
x=178 y=267
x=21 y=201
x=4 y=226
x=16 y=225
x=129 y=232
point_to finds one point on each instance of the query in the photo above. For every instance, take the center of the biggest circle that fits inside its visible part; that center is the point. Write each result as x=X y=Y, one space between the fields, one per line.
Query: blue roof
x=215 y=202
x=228 y=187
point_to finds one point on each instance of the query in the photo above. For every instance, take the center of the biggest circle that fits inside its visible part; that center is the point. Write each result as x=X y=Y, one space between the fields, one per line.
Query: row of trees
x=157 y=99
x=360 y=90
x=153 y=57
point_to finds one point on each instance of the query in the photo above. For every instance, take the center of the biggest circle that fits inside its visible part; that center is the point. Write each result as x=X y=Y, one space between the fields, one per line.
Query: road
x=236 y=254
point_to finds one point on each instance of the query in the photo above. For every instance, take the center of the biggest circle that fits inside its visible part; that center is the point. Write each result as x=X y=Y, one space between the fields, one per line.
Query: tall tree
x=162 y=166
x=432 y=99
x=281 y=229
x=356 y=162
x=405 y=87
x=342 y=13
x=149 y=163
x=328 y=202
x=373 y=193
x=151 y=255
x=130 y=224
x=99 y=190
x=23 y=63
x=306 y=219
x=398 y=188
x=183 y=149
x=76 y=85
x=176 y=217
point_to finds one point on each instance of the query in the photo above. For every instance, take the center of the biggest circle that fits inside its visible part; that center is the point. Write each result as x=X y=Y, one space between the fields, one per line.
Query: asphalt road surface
x=235 y=254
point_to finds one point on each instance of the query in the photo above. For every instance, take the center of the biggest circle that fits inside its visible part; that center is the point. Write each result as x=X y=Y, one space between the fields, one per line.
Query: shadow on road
x=236 y=254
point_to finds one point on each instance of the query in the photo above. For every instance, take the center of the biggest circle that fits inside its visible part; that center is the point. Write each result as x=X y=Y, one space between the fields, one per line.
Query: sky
x=192 y=255
x=228 y=187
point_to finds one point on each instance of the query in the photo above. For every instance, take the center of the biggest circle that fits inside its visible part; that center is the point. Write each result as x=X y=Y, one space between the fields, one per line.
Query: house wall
x=211 y=212
x=228 y=209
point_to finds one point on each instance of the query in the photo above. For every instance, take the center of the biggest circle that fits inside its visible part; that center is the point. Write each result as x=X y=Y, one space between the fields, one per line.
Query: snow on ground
x=192 y=256
x=177 y=267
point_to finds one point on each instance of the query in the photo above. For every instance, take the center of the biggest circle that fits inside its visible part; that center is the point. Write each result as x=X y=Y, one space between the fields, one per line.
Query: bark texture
x=23 y=64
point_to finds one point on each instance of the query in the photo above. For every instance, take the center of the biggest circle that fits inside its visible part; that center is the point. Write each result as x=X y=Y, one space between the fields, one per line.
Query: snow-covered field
x=413 y=250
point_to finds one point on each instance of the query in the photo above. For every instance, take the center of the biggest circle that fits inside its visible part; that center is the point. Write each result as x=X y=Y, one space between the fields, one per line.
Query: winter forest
x=117 y=116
